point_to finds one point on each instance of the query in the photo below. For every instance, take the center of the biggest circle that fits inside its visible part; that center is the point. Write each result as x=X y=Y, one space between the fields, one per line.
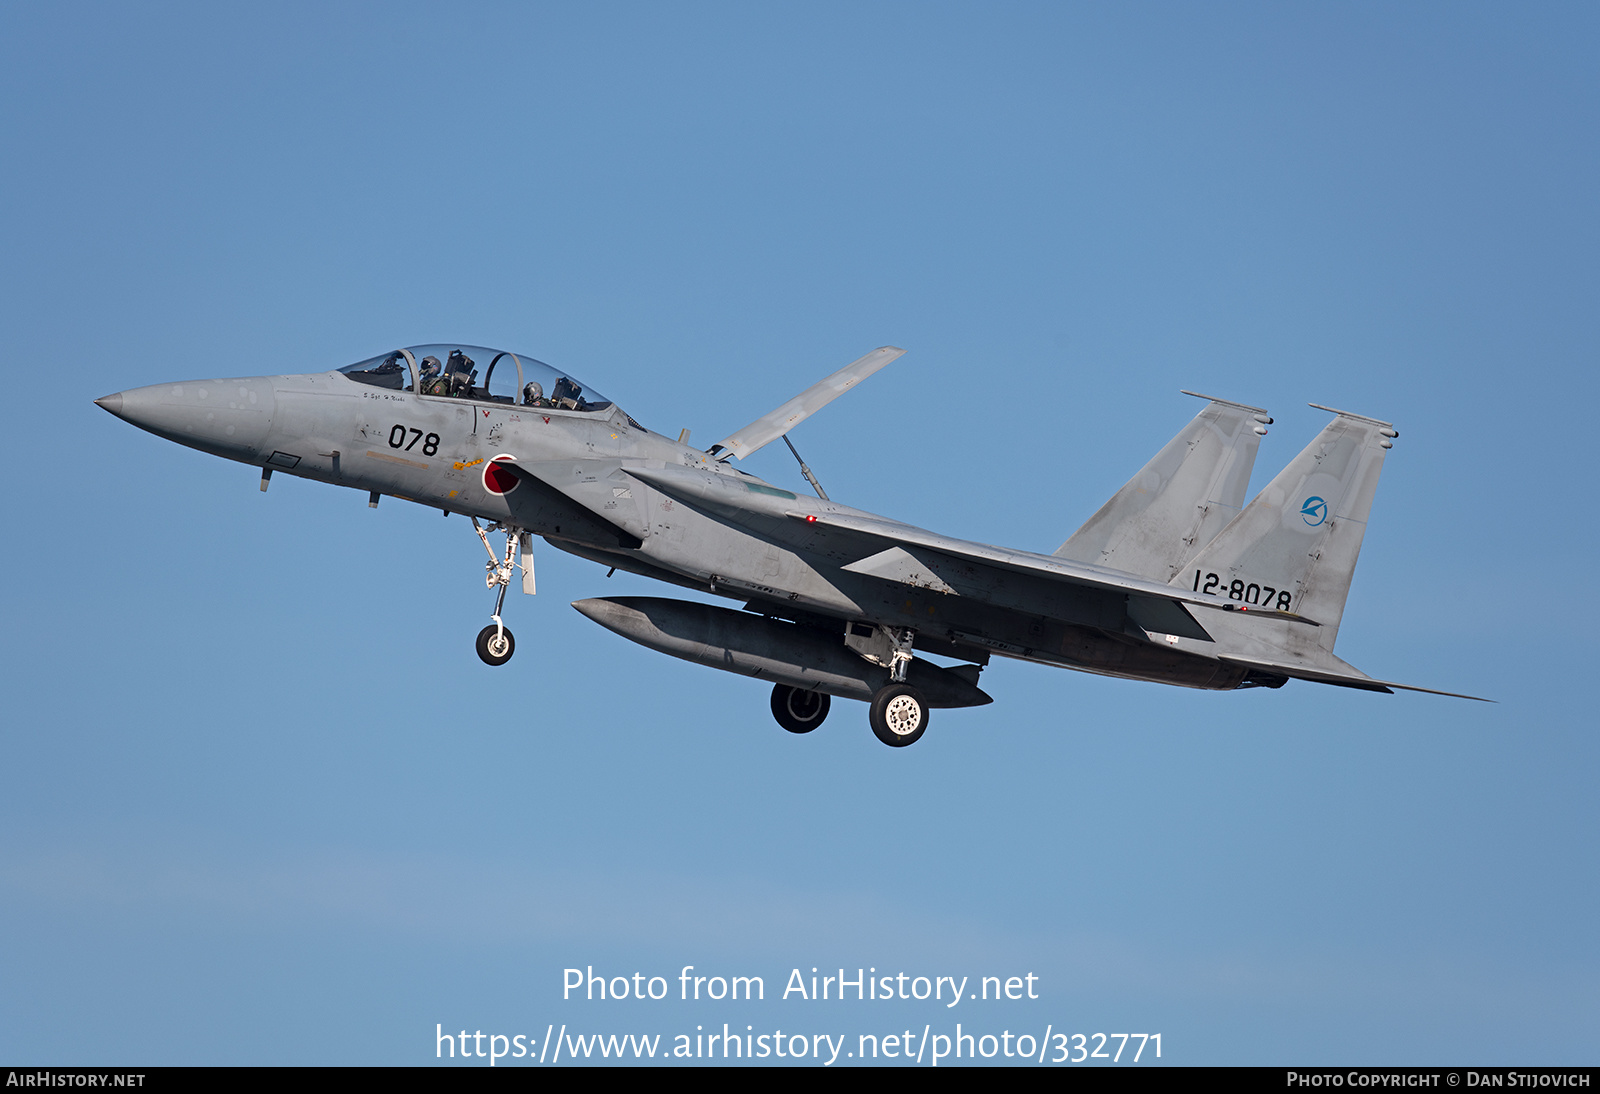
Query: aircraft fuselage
x=579 y=495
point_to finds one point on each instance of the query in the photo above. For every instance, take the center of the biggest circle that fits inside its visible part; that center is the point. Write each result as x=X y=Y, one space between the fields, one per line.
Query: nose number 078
x=397 y=439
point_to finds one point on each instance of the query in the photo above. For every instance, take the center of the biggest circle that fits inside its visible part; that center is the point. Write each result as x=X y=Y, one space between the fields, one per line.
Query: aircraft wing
x=886 y=533
x=769 y=427
x=903 y=553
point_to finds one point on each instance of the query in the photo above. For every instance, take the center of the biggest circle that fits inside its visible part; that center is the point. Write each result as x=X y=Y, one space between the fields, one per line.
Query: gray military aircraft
x=1174 y=580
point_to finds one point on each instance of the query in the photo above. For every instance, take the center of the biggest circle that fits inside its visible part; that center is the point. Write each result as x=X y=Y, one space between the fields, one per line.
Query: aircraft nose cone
x=228 y=418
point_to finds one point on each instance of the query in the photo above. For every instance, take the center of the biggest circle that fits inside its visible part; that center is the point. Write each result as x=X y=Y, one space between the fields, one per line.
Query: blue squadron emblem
x=1314 y=511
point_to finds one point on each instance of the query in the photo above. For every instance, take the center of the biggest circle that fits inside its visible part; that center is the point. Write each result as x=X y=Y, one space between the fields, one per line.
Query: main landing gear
x=898 y=713
x=798 y=710
x=495 y=643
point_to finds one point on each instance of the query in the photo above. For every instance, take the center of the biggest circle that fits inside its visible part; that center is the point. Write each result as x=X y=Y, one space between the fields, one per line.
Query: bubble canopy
x=455 y=371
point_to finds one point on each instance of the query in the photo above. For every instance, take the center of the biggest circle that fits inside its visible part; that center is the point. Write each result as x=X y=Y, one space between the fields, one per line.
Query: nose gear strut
x=495 y=643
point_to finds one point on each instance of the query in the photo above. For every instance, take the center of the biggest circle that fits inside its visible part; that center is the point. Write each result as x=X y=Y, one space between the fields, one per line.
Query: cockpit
x=478 y=374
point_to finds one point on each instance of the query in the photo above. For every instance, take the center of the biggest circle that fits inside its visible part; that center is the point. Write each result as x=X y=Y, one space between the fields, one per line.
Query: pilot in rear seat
x=459 y=374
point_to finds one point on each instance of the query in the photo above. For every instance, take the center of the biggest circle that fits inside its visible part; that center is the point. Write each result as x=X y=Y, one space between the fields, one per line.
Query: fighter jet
x=1175 y=579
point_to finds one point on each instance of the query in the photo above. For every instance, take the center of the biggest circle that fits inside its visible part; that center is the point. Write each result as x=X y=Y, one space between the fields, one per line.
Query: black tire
x=899 y=715
x=799 y=710
x=487 y=646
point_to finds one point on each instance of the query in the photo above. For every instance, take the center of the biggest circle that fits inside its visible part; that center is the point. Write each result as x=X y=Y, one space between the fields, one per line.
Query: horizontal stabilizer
x=1349 y=679
x=769 y=427
x=1266 y=613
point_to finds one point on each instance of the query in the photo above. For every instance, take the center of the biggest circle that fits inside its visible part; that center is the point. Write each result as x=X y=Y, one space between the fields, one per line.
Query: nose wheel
x=495 y=644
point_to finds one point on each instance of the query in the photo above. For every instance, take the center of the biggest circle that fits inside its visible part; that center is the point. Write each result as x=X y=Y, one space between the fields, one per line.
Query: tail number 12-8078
x=1245 y=592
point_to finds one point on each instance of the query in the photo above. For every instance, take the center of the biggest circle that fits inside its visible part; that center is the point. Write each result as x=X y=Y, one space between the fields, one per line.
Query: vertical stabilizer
x=1294 y=548
x=1180 y=500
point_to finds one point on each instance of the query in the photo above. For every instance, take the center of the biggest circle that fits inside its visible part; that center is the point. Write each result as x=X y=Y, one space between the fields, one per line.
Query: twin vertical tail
x=1294 y=549
x=1180 y=500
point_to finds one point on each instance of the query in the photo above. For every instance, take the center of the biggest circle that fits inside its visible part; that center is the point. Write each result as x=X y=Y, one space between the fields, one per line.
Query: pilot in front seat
x=432 y=382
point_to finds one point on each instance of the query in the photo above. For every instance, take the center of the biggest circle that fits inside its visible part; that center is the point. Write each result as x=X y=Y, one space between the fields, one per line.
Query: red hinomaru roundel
x=497 y=479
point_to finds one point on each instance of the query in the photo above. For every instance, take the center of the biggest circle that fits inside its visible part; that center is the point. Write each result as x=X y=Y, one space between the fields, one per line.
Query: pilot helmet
x=532 y=392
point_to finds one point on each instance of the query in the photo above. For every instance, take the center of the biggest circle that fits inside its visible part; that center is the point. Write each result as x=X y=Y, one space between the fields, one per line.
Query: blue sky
x=262 y=803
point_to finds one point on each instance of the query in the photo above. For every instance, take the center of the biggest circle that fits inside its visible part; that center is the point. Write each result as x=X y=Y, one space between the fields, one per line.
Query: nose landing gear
x=495 y=643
